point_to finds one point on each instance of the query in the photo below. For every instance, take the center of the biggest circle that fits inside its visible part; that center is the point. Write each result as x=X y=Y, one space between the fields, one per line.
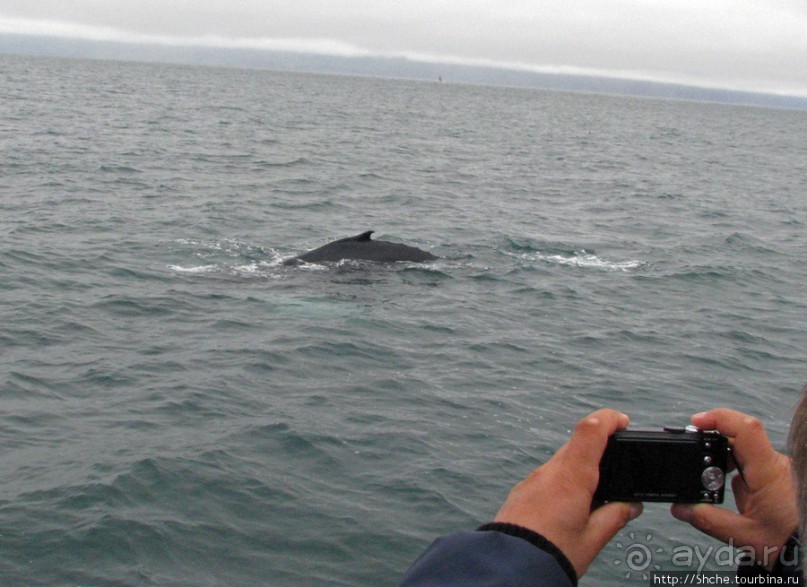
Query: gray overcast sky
x=756 y=45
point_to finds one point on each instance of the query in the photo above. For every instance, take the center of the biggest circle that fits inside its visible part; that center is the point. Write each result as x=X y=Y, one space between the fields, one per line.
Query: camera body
x=674 y=465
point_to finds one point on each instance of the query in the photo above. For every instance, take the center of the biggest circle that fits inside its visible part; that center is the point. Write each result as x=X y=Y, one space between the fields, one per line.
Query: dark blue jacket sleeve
x=485 y=558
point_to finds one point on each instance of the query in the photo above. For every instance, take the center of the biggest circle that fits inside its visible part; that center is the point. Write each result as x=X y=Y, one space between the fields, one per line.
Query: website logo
x=638 y=556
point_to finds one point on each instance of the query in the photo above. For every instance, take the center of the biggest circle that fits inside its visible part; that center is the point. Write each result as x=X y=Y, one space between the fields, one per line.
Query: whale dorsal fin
x=363 y=237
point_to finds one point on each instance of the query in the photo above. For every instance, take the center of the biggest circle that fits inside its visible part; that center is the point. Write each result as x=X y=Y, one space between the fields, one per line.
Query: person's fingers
x=751 y=444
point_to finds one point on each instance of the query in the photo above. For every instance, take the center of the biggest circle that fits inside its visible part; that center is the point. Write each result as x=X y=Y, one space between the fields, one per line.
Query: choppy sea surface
x=179 y=408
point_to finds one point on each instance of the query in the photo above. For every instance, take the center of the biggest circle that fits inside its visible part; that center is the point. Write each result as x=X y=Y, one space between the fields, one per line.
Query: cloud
x=755 y=45
x=103 y=33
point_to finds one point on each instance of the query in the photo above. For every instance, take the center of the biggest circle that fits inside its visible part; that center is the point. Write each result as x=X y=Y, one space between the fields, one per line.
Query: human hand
x=764 y=493
x=555 y=500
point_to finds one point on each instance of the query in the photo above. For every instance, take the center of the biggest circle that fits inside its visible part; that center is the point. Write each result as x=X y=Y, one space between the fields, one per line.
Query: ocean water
x=179 y=408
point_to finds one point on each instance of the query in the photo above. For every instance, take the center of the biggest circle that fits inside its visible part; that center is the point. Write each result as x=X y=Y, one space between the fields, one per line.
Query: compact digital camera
x=675 y=465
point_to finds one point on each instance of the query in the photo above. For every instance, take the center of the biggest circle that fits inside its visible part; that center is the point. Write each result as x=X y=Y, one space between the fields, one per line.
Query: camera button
x=675 y=429
x=707 y=460
x=713 y=478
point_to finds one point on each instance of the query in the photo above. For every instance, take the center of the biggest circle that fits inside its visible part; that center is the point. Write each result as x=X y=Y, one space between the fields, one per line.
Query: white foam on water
x=198 y=270
x=586 y=260
x=258 y=269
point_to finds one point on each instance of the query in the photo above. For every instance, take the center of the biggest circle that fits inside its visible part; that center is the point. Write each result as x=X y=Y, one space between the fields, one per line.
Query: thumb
x=605 y=521
x=719 y=523
x=603 y=524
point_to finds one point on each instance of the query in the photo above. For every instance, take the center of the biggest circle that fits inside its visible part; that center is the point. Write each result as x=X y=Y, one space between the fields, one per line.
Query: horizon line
x=325 y=47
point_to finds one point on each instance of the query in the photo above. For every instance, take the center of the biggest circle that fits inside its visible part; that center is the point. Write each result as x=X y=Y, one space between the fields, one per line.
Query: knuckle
x=586 y=424
x=754 y=424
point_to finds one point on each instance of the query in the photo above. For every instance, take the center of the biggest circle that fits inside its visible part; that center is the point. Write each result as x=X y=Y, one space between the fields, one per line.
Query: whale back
x=362 y=247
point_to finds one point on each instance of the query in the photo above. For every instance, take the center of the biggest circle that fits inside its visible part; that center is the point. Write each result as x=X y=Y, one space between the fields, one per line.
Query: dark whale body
x=362 y=247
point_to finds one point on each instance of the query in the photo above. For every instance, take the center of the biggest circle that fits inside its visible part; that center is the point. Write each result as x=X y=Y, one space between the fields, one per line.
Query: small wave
x=288 y=163
x=118 y=169
x=129 y=306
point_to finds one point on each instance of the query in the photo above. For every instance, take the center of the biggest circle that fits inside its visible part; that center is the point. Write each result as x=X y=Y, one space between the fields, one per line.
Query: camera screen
x=657 y=468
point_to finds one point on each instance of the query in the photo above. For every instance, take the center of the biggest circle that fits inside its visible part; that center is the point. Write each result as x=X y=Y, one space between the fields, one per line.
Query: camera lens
x=713 y=478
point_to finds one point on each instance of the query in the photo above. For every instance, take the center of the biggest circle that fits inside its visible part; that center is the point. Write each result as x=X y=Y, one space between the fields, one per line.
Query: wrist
x=537 y=540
